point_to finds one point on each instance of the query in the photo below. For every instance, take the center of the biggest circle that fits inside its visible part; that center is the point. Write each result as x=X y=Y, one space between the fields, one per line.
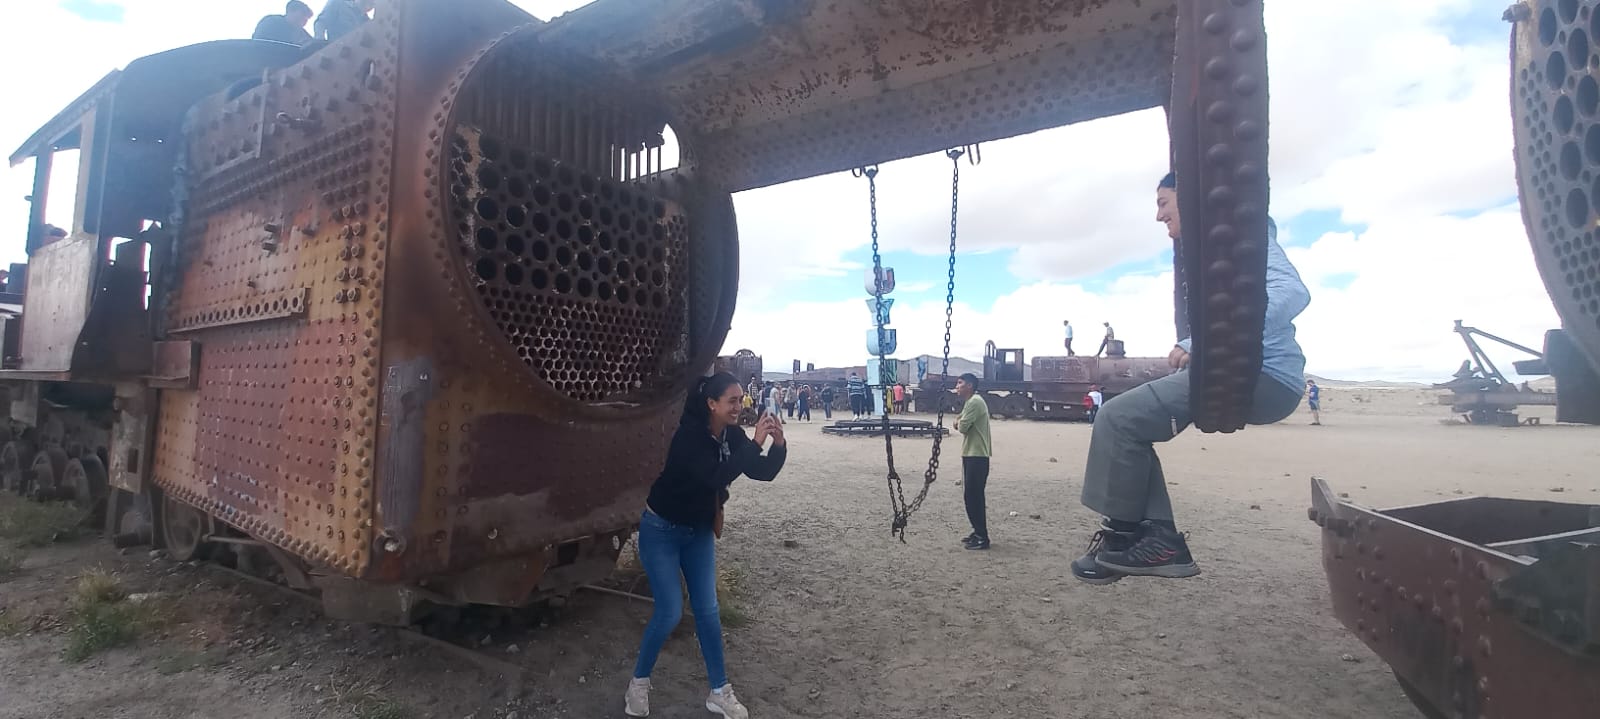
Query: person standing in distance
x=290 y=27
x=681 y=521
x=1314 y=401
x=1123 y=479
x=1096 y=399
x=857 y=389
x=1068 y=325
x=976 y=448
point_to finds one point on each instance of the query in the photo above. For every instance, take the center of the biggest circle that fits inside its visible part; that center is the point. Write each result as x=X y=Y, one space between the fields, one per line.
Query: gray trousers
x=1123 y=479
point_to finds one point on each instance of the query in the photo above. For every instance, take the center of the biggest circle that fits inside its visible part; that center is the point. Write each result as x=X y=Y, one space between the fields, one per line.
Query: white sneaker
x=726 y=704
x=637 y=698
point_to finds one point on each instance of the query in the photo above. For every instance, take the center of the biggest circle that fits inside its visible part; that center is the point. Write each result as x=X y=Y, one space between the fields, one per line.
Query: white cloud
x=1378 y=115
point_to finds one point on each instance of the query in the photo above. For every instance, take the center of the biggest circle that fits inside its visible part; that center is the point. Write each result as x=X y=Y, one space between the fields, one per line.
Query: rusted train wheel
x=183 y=529
x=16 y=466
x=83 y=482
x=44 y=479
x=1218 y=117
x=1555 y=112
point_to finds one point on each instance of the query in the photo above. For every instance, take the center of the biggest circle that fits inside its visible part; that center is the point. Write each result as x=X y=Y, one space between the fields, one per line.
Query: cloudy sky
x=1392 y=176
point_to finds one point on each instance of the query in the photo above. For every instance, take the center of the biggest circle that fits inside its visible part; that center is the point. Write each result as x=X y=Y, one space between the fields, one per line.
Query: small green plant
x=371 y=708
x=35 y=524
x=97 y=586
x=101 y=618
x=10 y=623
x=98 y=627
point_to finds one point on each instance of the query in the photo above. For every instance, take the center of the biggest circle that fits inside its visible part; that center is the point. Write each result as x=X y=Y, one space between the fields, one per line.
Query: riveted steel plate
x=279 y=268
x=530 y=201
x=782 y=91
x=278 y=304
x=1425 y=600
x=1219 y=145
x=1555 y=110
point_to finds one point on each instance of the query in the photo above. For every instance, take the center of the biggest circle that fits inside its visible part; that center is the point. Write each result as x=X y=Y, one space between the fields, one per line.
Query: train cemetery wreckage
x=400 y=287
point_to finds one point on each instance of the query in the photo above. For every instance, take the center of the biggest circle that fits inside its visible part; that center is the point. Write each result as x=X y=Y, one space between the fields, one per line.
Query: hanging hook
x=973 y=154
x=869 y=172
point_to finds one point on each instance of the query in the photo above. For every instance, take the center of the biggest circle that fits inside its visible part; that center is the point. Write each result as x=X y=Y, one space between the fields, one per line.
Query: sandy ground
x=848 y=622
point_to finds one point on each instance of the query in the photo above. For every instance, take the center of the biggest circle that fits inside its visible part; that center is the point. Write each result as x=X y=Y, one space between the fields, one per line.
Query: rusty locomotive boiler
x=394 y=325
x=409 y=294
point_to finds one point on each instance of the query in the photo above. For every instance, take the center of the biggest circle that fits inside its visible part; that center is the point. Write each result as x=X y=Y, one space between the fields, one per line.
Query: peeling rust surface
x=279 y=268
x=781 y=91
x=1421 y=589
x=1555 y=109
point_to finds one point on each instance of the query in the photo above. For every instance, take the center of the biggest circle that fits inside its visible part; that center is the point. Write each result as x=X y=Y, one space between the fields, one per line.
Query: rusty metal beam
x=781 y=91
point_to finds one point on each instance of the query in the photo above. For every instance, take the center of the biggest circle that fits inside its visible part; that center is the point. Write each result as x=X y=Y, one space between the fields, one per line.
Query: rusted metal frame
x=46 y=138
x=925 y=117
x=264 y=112
x=38 y=200
x=1532 y=546
x=282 y=304
x=1463 y=654
x=175 y=365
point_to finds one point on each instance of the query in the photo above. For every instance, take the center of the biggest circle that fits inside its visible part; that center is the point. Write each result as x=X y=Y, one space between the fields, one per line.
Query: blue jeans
x=665 y=550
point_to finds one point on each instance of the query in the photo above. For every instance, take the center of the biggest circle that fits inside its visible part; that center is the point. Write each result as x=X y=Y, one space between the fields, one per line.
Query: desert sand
x=841 y=620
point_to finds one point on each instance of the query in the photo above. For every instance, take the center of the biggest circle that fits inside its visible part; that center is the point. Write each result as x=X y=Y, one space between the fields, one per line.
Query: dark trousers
x=974 y=479
x=1070 y=353
x=1123 y=478
x=827 y=409
x=805 y=410
x=856 y=404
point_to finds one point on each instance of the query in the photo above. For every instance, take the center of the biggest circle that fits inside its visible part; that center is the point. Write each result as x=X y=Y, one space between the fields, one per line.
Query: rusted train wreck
x=407 y=293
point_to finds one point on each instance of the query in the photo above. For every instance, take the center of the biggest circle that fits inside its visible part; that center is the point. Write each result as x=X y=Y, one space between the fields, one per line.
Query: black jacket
x=695 y=481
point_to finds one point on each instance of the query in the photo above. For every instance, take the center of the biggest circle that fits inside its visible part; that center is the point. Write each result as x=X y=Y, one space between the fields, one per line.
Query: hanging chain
x=897 y=498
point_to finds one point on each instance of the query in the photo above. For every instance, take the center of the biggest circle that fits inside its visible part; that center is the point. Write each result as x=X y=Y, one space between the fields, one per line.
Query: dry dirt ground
x=843 y=621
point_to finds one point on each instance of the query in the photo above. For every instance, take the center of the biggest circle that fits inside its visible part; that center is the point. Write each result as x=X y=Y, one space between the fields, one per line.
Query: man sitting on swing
x=1123 y=479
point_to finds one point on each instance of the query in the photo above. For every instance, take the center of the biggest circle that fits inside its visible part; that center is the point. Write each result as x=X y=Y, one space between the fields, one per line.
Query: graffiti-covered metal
x=1555 y=110
x=1483 y=607
x=1218 y=120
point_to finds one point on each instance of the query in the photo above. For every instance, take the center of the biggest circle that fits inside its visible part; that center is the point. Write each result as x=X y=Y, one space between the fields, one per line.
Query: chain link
x=897 y=498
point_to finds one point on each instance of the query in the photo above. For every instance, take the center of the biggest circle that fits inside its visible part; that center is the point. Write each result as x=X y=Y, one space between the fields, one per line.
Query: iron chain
x=897 y=499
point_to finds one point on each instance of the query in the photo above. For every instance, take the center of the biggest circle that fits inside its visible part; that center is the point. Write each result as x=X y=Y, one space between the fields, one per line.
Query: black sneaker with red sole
x=1157 y=552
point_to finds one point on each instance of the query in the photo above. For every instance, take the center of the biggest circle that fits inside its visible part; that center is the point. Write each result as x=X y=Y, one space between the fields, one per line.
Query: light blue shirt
x=1287 y=297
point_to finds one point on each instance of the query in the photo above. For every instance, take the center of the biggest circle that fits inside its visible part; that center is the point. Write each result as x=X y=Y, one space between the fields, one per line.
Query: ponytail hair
x=706 y=389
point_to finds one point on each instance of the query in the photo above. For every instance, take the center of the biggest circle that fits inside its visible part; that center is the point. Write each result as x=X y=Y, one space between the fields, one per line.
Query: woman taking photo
x=683 y=518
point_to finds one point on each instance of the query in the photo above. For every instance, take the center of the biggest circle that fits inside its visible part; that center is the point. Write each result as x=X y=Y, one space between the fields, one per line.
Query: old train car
x=404 y=291
x=1052 y=388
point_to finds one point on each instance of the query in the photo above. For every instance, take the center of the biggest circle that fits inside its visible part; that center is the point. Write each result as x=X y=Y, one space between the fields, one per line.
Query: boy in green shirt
x=976 y=447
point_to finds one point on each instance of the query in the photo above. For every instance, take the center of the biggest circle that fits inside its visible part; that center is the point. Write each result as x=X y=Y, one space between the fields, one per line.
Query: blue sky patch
x=95 y=10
